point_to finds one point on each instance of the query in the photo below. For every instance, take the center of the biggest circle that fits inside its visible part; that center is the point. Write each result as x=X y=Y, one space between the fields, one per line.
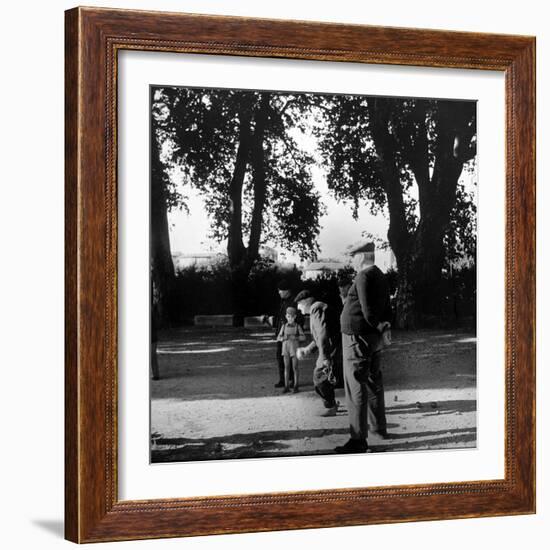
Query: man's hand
x=300 y=353
x=268 y=320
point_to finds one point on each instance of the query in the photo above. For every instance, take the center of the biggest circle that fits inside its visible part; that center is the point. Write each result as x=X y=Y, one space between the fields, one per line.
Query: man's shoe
x=330 y=411
x=279 y=384
x=352 y=446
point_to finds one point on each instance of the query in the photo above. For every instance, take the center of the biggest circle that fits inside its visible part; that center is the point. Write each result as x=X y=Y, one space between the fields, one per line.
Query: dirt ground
x=216 y=397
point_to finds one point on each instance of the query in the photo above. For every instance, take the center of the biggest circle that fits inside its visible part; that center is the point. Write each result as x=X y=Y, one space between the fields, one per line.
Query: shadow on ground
x=272 y=443
x=457 y=438
x=228 y=363
x=268 y=443
x=55 y=527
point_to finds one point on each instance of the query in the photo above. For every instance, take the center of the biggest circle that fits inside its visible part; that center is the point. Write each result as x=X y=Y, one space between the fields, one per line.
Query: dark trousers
x=281 y=365
x=338 y=365
x=322 y=374
x=364 y=398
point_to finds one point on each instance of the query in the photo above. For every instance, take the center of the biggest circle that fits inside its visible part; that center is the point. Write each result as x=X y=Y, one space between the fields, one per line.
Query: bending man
x=324 y=340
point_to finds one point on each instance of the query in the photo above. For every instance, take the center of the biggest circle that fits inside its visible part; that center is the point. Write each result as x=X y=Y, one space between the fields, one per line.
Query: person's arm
x=368 y=310
x=301 y=334
x=278 y=318
x=268 y=320
x=281 y=334
x=309 y=349
x=300 y=319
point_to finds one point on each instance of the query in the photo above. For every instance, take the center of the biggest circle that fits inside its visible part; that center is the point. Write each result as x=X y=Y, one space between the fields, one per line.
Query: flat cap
x=361 y=246
x=303 y=295
x=283 y=285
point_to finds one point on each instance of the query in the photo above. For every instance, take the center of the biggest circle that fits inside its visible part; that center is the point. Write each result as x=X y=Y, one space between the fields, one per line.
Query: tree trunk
x=162 y=266
x=405 y=303
x=398 y=235
x=250 y=150
x=257 y=161
x=428 y=255
x=386 y=147
x=436 y=204
x=235 y=247
x=420 y=256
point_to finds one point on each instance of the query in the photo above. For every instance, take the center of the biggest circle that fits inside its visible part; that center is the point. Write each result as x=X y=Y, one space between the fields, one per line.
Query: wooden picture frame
x=93 y=511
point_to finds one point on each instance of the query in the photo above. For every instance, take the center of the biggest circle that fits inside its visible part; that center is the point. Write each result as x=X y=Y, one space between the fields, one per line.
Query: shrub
x=202 y=290
x=207 y=290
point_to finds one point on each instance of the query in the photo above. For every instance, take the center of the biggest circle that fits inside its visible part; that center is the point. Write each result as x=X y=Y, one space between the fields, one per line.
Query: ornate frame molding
x=93 y=38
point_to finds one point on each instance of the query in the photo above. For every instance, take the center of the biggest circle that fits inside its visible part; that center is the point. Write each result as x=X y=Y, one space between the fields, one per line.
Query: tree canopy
x=405 y=156
x=241 y=150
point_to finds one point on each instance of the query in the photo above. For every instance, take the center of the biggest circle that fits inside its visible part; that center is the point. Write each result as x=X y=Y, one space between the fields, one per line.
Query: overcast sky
x=189 y=232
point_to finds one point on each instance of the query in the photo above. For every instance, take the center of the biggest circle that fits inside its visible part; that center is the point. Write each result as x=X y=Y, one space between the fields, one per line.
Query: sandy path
x=216 y=398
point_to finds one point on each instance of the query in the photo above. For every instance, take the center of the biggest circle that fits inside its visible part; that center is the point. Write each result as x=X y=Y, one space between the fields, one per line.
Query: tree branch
x=289 y=150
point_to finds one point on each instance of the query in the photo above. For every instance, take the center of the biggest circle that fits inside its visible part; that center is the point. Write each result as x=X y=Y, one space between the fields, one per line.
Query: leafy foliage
x=201 y=132
x=347 y=150
x=202 y=290
x=415 y=130
x=460 y=238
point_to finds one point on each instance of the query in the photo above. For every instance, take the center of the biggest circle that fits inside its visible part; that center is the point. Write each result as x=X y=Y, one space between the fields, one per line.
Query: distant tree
x=406 y=156
x=241 y=150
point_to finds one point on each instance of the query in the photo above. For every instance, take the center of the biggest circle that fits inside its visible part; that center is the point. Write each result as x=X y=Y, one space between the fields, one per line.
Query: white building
x=316 y=269
x=200 y=259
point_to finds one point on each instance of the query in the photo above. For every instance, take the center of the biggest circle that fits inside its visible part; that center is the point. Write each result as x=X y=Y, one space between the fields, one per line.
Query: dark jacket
x=323 y=331
x=367 y=303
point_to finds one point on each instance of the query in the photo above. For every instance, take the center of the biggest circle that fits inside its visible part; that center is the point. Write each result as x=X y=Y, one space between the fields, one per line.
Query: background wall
x=31 y=218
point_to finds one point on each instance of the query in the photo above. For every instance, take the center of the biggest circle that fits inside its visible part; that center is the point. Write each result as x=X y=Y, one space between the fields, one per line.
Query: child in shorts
x=290 y=334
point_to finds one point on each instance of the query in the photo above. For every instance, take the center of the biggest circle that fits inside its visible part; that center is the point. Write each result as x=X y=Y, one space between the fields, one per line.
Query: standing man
x=324 y=340
x=287 y=300
x=366 y=308
x=344 y=284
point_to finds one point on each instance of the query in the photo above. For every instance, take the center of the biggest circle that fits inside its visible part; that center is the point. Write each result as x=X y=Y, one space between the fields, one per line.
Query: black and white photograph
x=274 y=274
x=312 y=274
